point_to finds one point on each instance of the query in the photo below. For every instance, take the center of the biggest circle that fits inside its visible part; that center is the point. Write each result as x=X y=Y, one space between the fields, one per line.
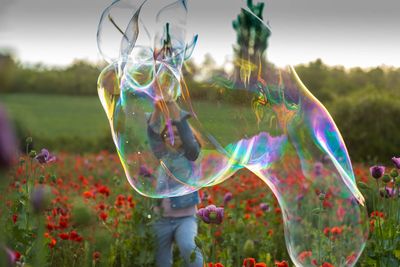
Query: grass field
x=54 y=116
x=51 y=118
x=79 y=123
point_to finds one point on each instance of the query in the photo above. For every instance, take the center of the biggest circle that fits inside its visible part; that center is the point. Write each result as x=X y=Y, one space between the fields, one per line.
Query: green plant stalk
x=379 y=225
x=40 y=244
x=397 y=207
x=320 y=232
x=392 y=219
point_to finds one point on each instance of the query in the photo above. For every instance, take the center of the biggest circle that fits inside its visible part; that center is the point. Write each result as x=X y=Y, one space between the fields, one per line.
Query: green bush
x=370 y=123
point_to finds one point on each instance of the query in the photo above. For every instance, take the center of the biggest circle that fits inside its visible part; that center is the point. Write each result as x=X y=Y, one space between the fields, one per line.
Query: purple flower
x=227 y=197
x=8 y=144
x=264 y=206
x=396 y=162
x=388 y=192
x=318 y=167
x=45 y=157
x=211 y=214
x=40 y=198
x=13 y=256
x=377 y=171
x=144 y=171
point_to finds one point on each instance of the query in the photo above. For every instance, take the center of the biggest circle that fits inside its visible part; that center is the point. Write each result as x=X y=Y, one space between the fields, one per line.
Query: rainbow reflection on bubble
x=254 y=116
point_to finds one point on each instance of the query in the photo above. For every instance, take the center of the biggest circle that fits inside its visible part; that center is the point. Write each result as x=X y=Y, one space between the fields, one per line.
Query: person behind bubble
x=177 y=222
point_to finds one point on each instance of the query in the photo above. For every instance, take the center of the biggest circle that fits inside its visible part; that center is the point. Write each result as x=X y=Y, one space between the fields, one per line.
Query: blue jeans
x=182 y=230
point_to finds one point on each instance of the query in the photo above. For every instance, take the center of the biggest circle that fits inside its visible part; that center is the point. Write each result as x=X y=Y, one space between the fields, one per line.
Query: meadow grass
x=78 y=123
x=53 y=116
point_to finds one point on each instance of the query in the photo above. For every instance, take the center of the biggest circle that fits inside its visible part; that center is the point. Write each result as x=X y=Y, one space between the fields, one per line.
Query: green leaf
x=396 y=253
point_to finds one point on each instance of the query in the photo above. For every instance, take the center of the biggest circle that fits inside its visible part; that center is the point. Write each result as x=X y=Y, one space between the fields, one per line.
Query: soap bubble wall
x=246 y=114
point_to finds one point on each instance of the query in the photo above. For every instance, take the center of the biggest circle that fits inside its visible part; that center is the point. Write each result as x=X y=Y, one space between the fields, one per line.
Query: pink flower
x=396 y=162
x=227 y=197
x=211 y=214
x=45 y=157
x=377 y=171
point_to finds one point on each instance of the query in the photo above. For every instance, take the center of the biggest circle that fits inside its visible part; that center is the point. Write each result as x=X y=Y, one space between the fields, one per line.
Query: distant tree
x=7 y=72
x=252 y=38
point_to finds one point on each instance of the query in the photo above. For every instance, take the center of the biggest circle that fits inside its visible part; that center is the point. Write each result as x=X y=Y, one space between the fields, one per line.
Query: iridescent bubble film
x=177 y=129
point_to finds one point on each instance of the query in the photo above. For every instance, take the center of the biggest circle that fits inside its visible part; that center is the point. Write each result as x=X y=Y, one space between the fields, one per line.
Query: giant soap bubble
x=246 y=113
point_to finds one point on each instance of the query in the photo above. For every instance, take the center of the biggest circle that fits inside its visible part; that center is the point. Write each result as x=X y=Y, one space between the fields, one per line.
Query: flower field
x=79 y=210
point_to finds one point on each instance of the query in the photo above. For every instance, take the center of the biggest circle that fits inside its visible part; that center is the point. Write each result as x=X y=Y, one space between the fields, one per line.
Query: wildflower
x=40 y=198
x=13 y=256
x=249 y=262
x=45 y=157
x=52 y=243
x=15 y=218
x=103 y=215
x=8 y=144
x=102 y=189
x=327 y=264
x=386 y=178
x=281 y=264
x=304 y=255
x=387 y=192
x=377 y=171
x=377 y=214
x=63 y=236
x=394 y=173
x=211 y=214
x=260 y=264
x=73 y=235
x=144 y=171
x=396 y=162
x=327 y=231
x=63 y=222
x=264 y=207
x=351 y=259
x=336 y=230
x=96 y=255
x=227 y=197
x=371 y=225
x=318 y=167
x=248 y=248
x=88 y=194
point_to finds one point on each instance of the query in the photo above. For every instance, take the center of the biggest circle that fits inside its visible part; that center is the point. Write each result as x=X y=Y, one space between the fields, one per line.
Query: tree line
x=365 y=103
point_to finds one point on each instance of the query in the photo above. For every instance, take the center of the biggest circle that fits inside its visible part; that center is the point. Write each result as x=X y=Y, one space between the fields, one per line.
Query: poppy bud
x=386 y=178
x=394 y=173
x=377 y=171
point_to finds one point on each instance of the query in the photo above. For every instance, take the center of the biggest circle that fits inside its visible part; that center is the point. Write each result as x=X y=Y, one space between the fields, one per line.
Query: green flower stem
x=379 y=226
x=397 y=206
x=320 y=231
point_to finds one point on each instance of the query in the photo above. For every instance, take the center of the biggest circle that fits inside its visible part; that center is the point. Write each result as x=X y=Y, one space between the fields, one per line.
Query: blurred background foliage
x=58 y=106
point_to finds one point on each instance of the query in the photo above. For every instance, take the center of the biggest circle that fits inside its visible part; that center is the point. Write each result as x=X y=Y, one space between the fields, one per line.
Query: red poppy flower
x=63 y=236
x=281 y=264
x=52 y=243
x=103 y=215
x=96 y=255
x=249 y=262
x=304 y=255
x=14 y=218
x=327 y=231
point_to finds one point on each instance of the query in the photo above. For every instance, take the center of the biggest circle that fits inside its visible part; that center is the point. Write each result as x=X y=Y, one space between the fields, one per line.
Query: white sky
x=341 y=32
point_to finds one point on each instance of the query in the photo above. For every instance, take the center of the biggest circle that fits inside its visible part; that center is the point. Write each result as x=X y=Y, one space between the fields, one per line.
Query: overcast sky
x=340 y=32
